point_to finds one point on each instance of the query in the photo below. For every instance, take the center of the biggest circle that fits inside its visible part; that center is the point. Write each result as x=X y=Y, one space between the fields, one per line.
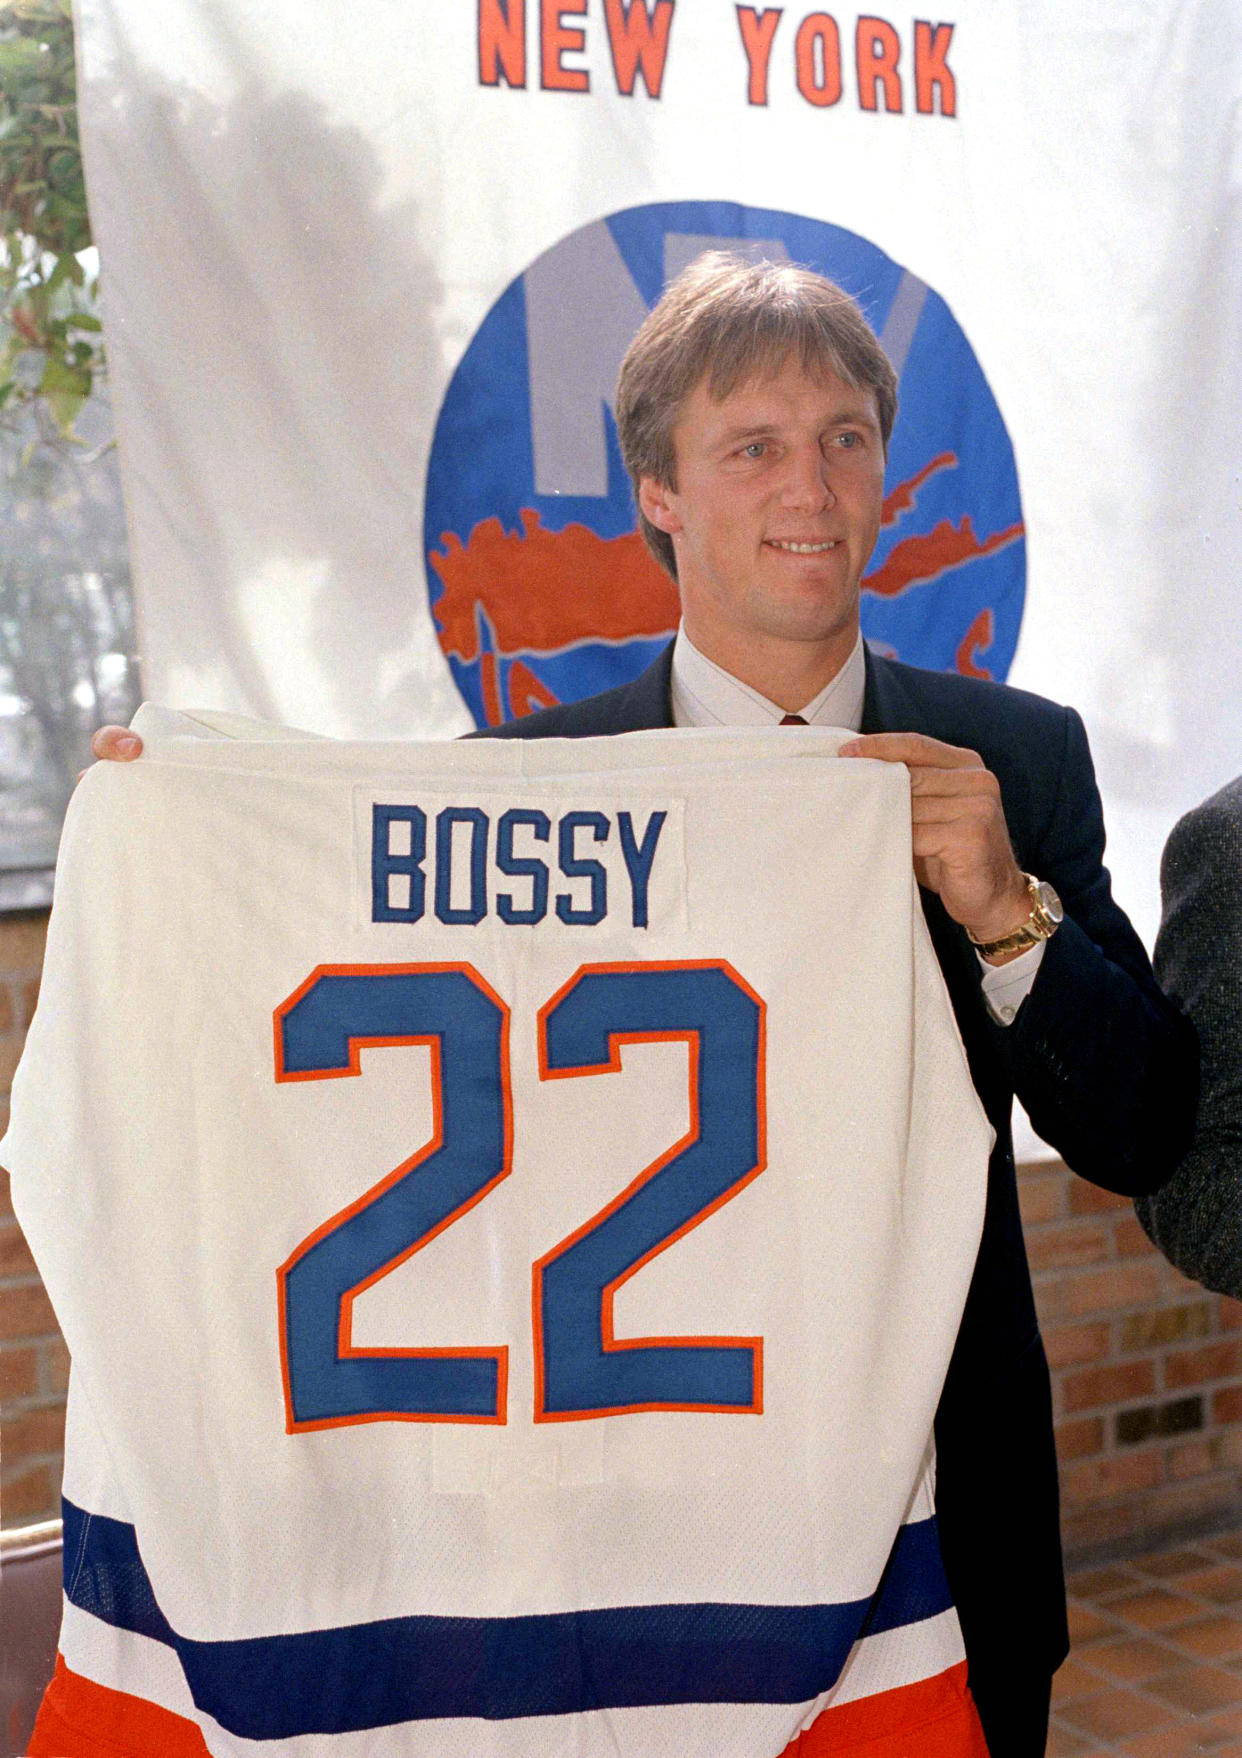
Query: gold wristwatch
x=1045 y=918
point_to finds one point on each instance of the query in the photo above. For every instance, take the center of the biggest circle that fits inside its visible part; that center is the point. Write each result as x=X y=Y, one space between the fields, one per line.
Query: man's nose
x=807 y=487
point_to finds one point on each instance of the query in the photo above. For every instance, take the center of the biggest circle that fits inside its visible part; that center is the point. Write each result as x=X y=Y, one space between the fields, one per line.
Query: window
x=67 y=641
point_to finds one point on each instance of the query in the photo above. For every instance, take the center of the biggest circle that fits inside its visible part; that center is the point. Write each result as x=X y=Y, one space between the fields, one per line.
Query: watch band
x=1045 y=918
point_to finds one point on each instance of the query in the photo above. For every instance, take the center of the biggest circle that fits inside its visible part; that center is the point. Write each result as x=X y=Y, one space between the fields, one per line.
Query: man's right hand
x=116 y=744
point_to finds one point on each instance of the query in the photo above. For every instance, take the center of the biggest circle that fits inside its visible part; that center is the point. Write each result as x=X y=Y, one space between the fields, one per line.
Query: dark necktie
x=794 y=720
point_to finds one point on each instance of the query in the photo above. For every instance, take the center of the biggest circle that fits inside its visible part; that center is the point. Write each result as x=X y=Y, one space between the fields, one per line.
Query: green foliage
x=53 y=348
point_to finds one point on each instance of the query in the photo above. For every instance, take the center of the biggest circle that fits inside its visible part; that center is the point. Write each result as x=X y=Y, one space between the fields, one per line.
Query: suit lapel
x=887 y=704
x=646 y=704
x=650 y=698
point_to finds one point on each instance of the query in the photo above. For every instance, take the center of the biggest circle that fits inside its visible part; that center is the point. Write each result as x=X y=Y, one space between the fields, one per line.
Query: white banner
x=369 y=273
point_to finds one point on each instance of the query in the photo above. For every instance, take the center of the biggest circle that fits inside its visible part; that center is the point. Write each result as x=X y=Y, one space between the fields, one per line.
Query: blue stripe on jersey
x=418 y=1668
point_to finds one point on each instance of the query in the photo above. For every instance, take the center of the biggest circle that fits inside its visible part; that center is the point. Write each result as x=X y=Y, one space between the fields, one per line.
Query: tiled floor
x=1156 y=1665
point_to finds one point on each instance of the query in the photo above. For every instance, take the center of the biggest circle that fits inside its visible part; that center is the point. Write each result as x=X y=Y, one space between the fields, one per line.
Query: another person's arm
x=1196 y=1218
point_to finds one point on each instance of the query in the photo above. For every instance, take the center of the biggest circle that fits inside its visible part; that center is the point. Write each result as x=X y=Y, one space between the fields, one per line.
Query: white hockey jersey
x=510 y=1206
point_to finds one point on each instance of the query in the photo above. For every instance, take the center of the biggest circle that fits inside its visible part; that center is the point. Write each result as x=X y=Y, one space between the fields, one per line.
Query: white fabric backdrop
x=305 y=213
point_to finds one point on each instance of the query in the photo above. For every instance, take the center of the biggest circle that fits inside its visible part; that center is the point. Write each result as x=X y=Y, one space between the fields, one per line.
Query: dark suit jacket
x=1196 y=1218
x=1107 y=1071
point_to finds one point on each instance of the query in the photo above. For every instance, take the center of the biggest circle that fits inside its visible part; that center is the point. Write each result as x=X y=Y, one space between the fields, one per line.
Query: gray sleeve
x=1196 y=1218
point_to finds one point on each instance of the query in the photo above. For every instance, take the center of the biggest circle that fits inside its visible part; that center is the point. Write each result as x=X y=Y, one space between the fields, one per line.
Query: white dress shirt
x=704 y=694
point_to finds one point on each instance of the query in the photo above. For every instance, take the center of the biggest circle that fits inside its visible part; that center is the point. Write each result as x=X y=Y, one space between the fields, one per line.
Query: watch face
x=1051 y=903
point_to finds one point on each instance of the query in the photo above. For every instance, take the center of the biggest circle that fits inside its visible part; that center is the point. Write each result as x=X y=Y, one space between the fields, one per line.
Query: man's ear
x=655 y=502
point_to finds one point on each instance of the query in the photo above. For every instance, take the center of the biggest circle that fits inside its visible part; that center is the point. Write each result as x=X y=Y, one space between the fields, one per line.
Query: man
x=754 y=410
x=1196 y=1218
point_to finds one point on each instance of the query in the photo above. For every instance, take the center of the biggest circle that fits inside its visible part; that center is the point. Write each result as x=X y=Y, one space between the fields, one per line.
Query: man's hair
x=729 y=319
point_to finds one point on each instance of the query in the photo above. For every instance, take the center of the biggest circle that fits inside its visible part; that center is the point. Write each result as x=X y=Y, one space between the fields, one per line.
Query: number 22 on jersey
x=582 y=1370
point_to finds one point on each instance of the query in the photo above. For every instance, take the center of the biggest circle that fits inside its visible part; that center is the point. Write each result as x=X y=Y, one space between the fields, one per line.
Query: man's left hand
x=961 y=842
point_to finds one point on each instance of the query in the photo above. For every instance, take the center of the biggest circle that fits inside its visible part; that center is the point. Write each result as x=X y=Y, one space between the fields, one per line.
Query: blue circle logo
x=541 y=589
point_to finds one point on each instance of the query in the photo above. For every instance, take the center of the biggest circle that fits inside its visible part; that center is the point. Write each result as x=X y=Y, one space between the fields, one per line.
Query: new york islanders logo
x=541 y=589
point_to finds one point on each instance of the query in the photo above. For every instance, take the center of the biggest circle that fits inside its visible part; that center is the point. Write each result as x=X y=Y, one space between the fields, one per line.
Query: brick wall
x=1146 y=1366
x=34 y=1364
x=1146 y=1371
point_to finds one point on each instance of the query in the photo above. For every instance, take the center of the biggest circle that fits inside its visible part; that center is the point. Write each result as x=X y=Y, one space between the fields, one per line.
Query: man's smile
x=802 y=548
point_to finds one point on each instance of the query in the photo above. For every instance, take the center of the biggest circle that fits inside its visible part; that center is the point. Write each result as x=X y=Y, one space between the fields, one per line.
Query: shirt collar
x=704 y=694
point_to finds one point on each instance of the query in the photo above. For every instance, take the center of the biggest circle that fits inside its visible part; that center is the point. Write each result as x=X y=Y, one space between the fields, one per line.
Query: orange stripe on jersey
x=80 y=1719
x=936 y=1718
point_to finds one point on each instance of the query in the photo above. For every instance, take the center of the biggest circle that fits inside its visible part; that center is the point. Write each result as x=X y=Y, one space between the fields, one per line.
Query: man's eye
x=756 y=449
x=849 y=442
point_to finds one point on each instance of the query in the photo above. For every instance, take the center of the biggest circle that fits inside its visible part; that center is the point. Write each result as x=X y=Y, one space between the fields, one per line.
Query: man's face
x=775 y=513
